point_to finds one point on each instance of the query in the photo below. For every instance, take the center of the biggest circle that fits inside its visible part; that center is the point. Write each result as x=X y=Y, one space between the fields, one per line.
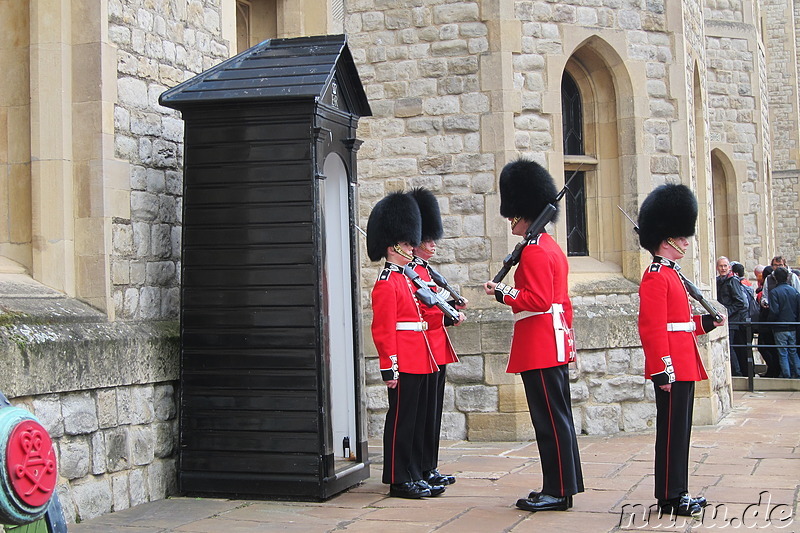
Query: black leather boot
x=435 y=490
x=544 y=502
x=410 y=489
x=534 y=495
x=434 y=477
x=681 y=506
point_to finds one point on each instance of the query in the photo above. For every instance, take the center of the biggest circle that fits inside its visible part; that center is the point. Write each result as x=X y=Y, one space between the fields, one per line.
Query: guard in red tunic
x=400 y=335
x=441 y=346
x=543 y=344
x=669 y=332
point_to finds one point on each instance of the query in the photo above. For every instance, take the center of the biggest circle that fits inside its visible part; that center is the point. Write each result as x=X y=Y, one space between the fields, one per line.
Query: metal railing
x=751 y=329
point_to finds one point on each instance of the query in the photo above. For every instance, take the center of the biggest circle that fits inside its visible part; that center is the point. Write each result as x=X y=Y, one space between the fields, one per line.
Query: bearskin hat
x=525 y=189
x=668 y=211
x=394 y=219
x=429 y=210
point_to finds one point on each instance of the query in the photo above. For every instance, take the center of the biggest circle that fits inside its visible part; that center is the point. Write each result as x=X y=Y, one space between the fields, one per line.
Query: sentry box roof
x=278 y=69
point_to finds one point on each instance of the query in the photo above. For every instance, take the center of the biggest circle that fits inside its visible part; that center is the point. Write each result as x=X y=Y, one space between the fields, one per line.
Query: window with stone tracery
x=572 y=122
x=598 y=135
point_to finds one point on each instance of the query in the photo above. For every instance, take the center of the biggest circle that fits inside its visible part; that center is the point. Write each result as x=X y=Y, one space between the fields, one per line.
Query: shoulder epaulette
x=388 y=268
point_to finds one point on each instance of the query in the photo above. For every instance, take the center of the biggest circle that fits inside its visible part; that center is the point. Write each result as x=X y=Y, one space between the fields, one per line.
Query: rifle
x=442 y=282
x=545 y=217
x=429 y=297
x=691 y=288
x=426 y=295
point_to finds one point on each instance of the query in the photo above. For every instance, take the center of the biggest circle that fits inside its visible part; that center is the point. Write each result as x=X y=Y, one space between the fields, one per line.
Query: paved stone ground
x=748 y=466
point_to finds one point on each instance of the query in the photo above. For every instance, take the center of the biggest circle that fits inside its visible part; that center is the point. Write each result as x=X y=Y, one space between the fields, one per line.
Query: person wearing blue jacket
x=784 y=306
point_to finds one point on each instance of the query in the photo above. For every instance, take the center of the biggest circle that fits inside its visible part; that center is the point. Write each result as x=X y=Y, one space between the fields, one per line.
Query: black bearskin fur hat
x=669 y=211
x=394 y=219
x=429 y=210
x=525 y=189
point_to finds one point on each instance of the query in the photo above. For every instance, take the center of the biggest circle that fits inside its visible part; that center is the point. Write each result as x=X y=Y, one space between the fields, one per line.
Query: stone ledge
x=766 y=384
x=594 y=284
x=48 y=358
x=24 y=300
x=483 y=427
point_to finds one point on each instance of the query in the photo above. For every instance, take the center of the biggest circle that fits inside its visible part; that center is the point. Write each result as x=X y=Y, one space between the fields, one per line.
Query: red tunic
x=393 y=301
x=438 y=339
x=663 y=300
x=540 y=281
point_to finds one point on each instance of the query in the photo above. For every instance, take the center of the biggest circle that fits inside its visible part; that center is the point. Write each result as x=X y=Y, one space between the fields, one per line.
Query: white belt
x=527 y=314
x=680 y=326
x=412 y=326
x=559 y=327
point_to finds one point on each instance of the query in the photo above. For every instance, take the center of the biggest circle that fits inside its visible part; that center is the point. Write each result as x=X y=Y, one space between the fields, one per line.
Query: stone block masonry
x=158 y=46
x=116 y=446
x=106 y=393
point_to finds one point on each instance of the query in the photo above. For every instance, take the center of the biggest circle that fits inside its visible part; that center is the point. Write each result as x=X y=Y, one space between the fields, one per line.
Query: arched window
x=599 y=141
x=572 y=116
x=572 y=122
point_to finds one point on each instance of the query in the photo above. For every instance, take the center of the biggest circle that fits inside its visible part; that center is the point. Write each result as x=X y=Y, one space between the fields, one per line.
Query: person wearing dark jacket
x=784 y=306
x=766 y=337
x=744 y=336
x=730 y=293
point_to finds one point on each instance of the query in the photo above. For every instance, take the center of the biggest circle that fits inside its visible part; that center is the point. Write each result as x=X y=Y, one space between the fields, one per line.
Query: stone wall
x=159 y=44
x=116 y=447
x=727 y=10
x=786 y=201
x=782 y=79
x=735 y=108
x=780 y=40
x=740 y=94
x=459 y=88
x=106 y=393
x=419 y=65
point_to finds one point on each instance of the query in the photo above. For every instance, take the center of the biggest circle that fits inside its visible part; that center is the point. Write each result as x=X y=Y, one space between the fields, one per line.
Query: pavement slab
x=748 y=466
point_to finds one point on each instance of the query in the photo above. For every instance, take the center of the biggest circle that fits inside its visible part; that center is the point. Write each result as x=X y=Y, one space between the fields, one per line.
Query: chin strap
x=672 y=243
x=402 y=252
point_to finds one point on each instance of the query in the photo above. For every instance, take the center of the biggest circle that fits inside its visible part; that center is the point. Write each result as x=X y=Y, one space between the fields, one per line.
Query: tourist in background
x=731 y=294
x=766 y=338
x=784 y=307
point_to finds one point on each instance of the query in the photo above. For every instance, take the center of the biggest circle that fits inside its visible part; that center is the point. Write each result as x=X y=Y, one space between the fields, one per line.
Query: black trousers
x=433 y=427
x=547 y=392
x=404 y=431
x=673 y=432
x=739 y=337
x=770 y=355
